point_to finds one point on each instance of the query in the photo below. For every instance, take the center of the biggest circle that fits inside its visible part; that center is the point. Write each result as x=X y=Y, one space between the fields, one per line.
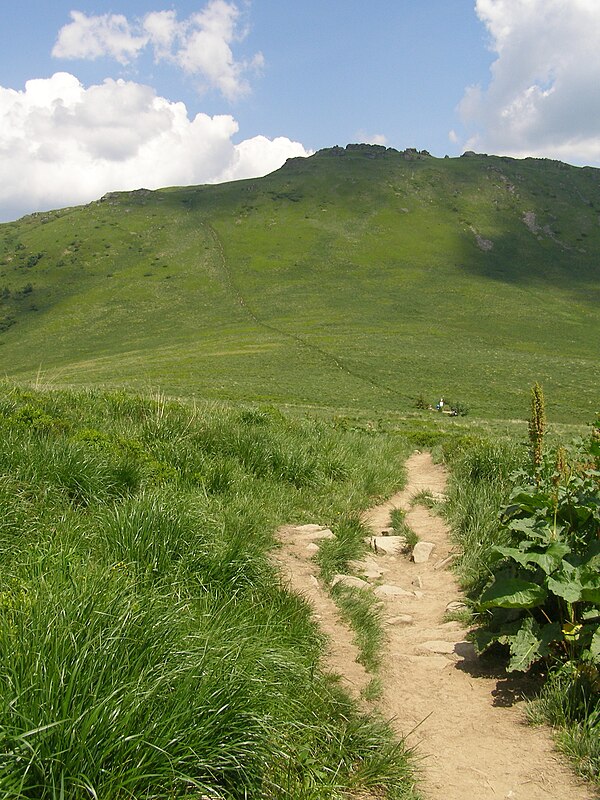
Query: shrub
x=544 y=599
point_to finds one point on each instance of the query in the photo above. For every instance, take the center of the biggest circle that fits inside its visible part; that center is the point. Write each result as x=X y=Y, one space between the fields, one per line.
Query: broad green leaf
x=513 y=593
x=531 y=643
x=590 y=595
x=482 y=639
x=569 y=588
x=548 y=561
x=590 y=580
x=524 y=648
x=523 y=525
x=591 y=613
x=591 y=557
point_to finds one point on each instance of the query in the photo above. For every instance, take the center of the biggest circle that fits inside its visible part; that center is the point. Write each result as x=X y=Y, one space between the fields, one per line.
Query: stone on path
x=370 y=567
x=387 y=590
x=310 y=528
x=421 y=552
x=350 y=580
x=439 y=647
x=388 y=545
x=401 y=619
x=314 y=531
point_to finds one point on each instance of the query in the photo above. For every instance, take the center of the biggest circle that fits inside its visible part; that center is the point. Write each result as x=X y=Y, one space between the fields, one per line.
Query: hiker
x=440 y=405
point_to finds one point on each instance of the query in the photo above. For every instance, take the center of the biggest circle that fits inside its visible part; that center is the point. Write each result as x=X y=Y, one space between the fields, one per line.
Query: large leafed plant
x=543 y=599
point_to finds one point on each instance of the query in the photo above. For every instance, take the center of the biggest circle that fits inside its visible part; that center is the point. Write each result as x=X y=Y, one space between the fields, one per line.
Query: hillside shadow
x=519 y=259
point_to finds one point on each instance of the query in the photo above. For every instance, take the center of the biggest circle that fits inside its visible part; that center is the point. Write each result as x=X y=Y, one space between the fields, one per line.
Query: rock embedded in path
x=401 y=619
x=422 y=551
x=388 y=545
x=314 y=531
x=369 y=567
x=310 y=528
x=387 y=590
x=439 y=647
x=349 y=580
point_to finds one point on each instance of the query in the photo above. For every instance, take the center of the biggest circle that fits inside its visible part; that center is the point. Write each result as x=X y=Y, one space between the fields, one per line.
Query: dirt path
x=469 y=728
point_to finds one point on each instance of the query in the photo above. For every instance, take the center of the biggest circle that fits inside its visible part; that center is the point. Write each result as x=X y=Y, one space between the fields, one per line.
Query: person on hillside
x=440 y=405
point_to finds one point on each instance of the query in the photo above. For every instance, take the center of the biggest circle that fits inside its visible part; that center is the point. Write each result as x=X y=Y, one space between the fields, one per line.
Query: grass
x=361 y=610
x=479 y=486
x=358 y=607
x=148 y=649
x=343 y=283
x=567 y=702
x=402 y=528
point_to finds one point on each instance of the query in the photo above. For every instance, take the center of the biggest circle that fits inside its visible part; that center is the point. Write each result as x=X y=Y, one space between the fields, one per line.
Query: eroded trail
x=469 y=728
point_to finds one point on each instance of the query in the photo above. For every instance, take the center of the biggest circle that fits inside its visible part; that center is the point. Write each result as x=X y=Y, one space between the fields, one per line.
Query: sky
x=107 y=95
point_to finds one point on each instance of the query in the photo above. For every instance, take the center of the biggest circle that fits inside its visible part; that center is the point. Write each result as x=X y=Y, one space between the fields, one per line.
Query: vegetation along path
x=468 y=727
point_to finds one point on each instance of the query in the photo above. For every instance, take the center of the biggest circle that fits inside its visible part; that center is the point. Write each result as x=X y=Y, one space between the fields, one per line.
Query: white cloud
x=371 y=138
x=542 y=98
x=259 y=156
x=200 y=45
x=162 y=29
x=92 y=37
x=62 y=144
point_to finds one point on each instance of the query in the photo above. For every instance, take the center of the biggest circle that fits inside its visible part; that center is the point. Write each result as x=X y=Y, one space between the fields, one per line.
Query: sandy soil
x=468 y=726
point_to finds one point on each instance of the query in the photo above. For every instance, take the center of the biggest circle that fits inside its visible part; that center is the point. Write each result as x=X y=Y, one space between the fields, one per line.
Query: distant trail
x=468 y=726
x=296 y=338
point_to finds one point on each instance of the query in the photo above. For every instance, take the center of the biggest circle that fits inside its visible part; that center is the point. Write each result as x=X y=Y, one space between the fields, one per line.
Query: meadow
x=356 y=279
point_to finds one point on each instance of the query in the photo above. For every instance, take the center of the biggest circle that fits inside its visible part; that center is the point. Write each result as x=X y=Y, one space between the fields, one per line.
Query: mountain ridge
x=387 y=273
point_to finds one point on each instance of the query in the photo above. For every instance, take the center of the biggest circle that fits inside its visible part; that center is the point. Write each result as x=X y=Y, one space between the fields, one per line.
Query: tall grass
x=478 y=487
x=570 y=702
x=147 y=649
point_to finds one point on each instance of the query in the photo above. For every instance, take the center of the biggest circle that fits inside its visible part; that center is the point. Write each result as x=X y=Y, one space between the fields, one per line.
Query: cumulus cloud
x=371 y=138
x=542 y=98
x=200 y=45
x=92 y=37
x=63 y=144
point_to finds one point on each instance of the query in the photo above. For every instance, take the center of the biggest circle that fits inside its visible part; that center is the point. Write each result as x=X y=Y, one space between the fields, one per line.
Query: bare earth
x=469 y=728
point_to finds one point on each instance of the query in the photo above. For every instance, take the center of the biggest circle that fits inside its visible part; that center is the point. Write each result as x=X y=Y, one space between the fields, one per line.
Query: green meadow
x=357 y=279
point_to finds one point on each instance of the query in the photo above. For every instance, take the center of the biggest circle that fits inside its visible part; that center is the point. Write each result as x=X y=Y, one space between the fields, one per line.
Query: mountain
x=359 y=278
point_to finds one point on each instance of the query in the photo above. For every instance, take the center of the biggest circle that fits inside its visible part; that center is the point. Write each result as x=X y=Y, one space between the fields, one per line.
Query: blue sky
x=151 y=93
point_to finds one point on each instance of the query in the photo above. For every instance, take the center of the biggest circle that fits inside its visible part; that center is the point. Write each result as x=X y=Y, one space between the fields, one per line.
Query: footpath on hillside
x=468 y=727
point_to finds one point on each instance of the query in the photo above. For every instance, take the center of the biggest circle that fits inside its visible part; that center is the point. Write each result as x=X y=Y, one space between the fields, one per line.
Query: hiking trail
x=468 y=726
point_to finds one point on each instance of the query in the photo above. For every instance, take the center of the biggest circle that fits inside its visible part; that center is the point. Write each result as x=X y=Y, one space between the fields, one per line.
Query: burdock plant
x=537 y=427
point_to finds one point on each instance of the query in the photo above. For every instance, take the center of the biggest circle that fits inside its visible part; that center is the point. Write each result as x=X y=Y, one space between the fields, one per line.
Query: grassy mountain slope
x=356 y=278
